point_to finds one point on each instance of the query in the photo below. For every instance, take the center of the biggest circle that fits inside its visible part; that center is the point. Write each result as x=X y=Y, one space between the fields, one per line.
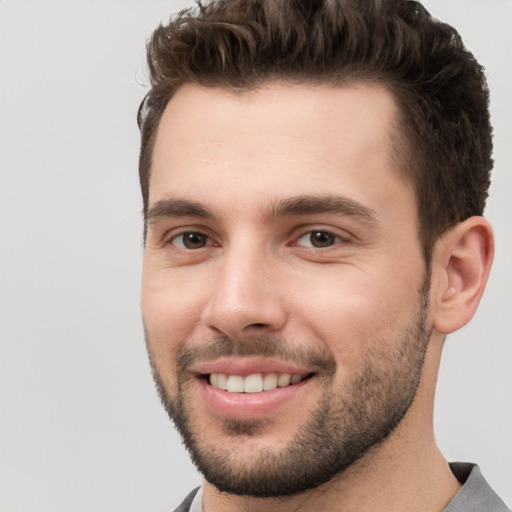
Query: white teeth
x=270 y=382
x=222 y=381
x=284 y=380
x=219 y=380
x=254 y=383
x=235 y=384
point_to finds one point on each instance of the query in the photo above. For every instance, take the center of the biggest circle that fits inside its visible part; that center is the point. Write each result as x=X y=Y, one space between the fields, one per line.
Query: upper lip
x=248 y=366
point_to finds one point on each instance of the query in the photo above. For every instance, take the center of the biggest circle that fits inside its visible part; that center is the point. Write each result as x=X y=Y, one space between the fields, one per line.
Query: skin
x=258 y=274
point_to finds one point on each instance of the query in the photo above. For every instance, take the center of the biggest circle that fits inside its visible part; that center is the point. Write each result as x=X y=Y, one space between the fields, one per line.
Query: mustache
x=260 y=346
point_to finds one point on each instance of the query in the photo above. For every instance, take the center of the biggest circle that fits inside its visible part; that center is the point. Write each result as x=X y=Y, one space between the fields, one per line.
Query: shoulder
x=185 y=505
x=475 y=495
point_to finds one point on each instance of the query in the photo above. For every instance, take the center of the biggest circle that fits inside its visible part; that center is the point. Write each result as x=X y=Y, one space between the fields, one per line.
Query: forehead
x=281 y=139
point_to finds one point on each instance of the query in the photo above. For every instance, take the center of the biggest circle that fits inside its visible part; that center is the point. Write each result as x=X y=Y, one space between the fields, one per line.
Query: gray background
x=81 y=426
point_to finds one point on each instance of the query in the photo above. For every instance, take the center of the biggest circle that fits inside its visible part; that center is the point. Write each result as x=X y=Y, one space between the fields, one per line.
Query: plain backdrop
x=82 y=429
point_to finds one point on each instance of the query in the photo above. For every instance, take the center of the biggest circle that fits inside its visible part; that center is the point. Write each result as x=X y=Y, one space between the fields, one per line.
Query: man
x=313 y=176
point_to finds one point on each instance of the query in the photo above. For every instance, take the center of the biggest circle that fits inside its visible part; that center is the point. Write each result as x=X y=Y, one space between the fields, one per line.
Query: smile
x=254 y=383
x=251 y=387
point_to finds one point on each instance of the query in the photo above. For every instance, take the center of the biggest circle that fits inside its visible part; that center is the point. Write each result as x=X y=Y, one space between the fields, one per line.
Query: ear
x=461 y=265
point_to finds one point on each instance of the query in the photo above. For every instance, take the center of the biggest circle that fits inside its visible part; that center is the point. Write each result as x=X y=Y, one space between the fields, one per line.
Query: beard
x=349 y=421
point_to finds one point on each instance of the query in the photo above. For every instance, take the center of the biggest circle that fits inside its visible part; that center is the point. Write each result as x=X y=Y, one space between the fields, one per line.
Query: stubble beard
x=347 y=424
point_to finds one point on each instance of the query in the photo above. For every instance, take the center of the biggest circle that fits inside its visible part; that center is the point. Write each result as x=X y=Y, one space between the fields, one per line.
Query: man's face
x=284 y=293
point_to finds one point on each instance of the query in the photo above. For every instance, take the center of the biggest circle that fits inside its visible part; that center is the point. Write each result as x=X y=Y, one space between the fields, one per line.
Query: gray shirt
x=475 y=495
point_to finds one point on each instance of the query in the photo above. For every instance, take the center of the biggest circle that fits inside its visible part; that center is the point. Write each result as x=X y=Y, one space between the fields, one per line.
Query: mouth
x=255 y=382
x=251 y=387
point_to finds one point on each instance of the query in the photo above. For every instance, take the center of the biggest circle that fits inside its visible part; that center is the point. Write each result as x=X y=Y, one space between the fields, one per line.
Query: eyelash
x=191 y=232
x=334 y=238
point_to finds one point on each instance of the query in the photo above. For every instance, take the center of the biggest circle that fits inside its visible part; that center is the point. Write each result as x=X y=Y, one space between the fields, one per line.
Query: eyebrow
x=337 y=205
x=177 y=208
x=295 y=206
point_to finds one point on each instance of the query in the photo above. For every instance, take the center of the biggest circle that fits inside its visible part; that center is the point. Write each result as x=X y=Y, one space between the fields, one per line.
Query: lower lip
x=249 y=405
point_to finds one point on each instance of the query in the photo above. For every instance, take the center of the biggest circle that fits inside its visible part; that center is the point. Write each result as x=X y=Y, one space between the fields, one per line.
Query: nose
x=246 y=297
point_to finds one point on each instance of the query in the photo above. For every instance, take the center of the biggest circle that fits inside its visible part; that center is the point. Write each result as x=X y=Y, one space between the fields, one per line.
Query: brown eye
x=322 y=239
x=191 y=240
x=318 y=239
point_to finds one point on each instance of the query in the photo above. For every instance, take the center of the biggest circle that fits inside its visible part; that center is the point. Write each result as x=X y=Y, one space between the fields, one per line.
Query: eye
x=191 y=240
x=318 y=239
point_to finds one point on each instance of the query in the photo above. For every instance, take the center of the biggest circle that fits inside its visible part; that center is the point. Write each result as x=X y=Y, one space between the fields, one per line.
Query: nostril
x=258 y=325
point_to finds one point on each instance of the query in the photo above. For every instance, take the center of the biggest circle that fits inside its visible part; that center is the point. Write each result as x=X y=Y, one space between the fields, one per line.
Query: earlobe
x=463 y=260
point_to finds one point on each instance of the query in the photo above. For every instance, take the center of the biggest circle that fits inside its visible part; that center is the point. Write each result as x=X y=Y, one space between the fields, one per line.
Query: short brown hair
x=439 y=87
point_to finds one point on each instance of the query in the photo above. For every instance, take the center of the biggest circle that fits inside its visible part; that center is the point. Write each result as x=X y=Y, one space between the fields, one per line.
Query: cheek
x=354 y=309
x=170 y=311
